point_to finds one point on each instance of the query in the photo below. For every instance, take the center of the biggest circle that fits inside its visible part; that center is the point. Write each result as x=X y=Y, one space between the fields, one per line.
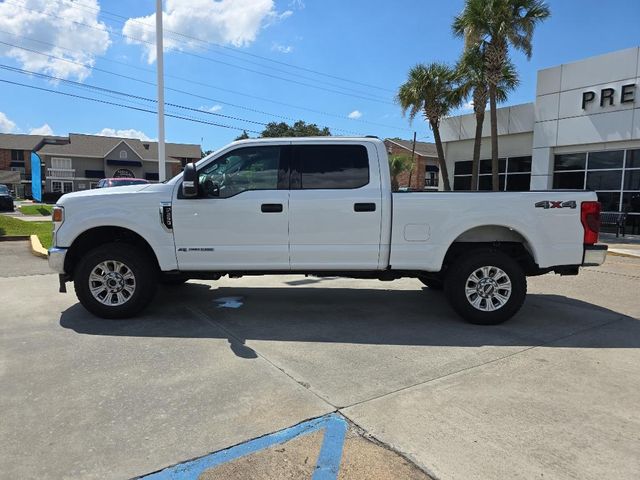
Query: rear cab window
x=329 y=167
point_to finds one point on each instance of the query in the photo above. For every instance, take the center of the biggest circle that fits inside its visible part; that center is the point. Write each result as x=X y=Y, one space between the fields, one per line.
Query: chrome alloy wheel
x=488 y=288
x=112 y=283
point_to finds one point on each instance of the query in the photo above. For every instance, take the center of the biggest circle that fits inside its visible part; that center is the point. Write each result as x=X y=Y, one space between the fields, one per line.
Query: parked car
x=323 y=207
x=120 y=182
x=6 y=200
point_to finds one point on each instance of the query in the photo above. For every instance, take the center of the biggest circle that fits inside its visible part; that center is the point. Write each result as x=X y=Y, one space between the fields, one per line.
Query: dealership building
x=582 y=132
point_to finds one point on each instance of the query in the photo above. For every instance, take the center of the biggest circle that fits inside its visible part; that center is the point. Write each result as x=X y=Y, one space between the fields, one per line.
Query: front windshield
x=122 y=183
x=4 y=190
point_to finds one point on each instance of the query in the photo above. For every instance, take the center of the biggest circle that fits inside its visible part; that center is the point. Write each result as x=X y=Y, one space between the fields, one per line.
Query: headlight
x=57 y=215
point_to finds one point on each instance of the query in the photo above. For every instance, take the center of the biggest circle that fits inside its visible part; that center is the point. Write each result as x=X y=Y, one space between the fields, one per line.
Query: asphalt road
x=553 y=393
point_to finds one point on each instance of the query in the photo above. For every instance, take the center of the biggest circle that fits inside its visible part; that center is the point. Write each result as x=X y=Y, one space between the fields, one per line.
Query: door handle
x=364 y=207
x=271 y=208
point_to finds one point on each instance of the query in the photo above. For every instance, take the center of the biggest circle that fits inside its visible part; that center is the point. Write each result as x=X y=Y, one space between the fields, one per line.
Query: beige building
x=79 y=161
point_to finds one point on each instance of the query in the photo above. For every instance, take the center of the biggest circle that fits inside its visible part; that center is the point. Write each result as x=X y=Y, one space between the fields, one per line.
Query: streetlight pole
x=162 y=172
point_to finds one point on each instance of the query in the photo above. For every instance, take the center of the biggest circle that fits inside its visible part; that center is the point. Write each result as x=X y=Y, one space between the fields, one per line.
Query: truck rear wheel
x=115 y=280
x=486 y=287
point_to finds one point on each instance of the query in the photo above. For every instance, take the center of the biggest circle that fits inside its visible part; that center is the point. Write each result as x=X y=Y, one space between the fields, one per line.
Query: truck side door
x=334 y=206
x=239 y=221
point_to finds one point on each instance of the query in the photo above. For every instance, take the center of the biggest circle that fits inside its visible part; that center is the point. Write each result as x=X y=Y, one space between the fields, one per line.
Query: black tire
x=432 y=283
x=460 y=273
x=136 y=295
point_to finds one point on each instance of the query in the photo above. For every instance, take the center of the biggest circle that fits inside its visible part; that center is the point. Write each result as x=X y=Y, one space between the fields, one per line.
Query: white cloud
x=214 y=109
x=467 y=106
x=355 y=114
x=51 y=21
x=282 y=48
x=43 y=130
x=299 y=4
x=126 y=133
x=232 y=22
x=6 y=125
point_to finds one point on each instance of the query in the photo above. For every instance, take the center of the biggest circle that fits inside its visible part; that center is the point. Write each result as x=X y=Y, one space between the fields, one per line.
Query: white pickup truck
x=316 y=206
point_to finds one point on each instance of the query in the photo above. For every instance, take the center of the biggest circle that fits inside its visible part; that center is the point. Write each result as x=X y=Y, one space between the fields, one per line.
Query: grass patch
x=12 y=226
x=43 y=210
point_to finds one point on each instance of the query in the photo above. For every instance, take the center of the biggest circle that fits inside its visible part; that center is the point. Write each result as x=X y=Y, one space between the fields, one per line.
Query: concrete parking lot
x=553 y=393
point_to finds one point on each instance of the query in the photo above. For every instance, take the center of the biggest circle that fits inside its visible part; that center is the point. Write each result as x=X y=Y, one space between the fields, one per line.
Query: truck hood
x=116 y=194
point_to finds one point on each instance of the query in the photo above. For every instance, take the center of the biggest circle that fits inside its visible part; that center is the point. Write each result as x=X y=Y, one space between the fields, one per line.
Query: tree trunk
x=477 y=142
x=495 y=179
x=441 y=160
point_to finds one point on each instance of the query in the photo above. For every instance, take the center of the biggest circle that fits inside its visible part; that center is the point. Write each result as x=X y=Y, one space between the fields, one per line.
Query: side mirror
x=190 y=181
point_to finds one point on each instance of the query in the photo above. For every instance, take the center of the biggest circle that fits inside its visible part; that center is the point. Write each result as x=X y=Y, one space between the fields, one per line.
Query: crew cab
x=316 y=206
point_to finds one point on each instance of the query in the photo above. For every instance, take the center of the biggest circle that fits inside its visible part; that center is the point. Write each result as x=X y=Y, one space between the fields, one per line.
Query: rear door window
x=330 y=167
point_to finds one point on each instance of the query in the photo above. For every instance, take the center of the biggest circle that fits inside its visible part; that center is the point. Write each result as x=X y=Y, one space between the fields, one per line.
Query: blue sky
x=369 y=42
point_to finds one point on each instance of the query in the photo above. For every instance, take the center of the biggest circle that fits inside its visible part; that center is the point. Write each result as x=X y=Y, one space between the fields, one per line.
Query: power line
x=42 y=75
x=202 y=57
x=271 y=114
x=137 y=97
x=146 y=110
x=77 y=4
x=208 y=43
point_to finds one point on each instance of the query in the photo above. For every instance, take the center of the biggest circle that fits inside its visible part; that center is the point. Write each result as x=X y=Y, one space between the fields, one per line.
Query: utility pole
x=162 y=171
x=413 y=159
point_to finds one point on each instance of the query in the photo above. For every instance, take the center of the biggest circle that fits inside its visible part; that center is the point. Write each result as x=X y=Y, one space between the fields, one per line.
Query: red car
x=120 y=182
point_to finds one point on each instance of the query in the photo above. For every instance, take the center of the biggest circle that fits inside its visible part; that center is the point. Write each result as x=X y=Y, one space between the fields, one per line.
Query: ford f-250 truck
x=317 y=206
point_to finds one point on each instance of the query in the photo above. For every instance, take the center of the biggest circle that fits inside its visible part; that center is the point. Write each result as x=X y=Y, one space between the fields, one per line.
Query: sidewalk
x=629 y=245
x=28 y=218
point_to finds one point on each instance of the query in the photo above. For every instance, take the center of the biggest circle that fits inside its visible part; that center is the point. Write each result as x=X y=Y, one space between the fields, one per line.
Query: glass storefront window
x=633 y=159
x=607 y=159
x=613 y=174
x=485 y=165
x=631 y=202
x=462 y=183
x=610 y=201
x=632 y=180
x=485 y=182
x=569 y=180
x=519 y=182
x=463 y=168
x=519 y=164
x=518 y=178
x=604 y=180
x=571 y=161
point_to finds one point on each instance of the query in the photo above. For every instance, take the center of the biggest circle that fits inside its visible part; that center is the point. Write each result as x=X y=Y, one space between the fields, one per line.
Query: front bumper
x=594 y=255
x=56 y=259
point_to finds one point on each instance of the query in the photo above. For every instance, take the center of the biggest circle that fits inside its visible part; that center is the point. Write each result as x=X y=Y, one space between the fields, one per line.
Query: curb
x=36 y=247
x=13 y=238
x=622 y=254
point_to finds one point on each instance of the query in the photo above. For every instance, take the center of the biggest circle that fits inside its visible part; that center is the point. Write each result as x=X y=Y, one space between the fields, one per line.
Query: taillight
x=590 y=218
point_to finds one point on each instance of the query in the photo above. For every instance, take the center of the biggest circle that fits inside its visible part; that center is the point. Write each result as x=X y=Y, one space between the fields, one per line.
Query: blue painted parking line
x=327 y=466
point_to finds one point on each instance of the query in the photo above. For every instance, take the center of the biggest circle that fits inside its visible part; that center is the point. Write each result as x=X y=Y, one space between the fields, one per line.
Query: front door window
x=244 y=169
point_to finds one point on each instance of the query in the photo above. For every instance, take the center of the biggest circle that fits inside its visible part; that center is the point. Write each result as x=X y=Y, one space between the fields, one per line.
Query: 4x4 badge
x=553 y=204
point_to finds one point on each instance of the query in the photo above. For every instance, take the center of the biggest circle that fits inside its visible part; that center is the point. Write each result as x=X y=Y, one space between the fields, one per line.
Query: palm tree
x=496 y=25
x=397 y=165
x=473 y=76
x=433 y=90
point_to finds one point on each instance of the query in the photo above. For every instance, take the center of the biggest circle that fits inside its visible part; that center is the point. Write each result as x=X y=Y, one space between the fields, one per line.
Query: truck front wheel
x=115 y=280
x=486 y=287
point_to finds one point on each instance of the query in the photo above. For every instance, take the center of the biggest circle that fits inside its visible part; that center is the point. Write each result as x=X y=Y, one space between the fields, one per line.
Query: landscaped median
x=10 y=227
x=36 y=210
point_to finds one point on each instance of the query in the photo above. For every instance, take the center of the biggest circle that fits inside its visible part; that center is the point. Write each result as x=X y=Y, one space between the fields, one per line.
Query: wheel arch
x=96 y=236
x=497 y=237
